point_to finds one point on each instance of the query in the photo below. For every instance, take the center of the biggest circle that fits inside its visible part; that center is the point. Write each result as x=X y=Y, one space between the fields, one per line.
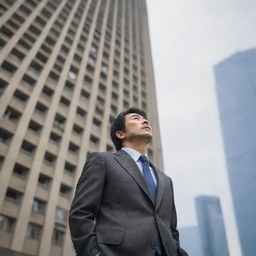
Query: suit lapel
x=131 y=167
x=160 y=186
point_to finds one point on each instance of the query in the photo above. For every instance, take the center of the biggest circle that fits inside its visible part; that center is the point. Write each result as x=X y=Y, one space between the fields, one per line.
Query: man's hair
x=119 y=125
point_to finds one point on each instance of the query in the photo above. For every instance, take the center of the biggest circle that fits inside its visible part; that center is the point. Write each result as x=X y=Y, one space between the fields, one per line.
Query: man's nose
x=145 y=121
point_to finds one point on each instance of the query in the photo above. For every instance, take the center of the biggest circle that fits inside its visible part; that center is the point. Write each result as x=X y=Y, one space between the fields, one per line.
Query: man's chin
x=147 y=136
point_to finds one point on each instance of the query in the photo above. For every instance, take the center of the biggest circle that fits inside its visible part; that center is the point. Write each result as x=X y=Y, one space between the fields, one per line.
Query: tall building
x=236 y=94
x=67 y=68
x=191 y=240
x=211 y=226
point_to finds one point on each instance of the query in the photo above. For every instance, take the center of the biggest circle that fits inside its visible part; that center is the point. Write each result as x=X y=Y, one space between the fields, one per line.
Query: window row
x=34 y=231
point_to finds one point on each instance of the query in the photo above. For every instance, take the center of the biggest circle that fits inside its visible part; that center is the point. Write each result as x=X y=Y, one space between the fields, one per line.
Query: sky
x=188 y=38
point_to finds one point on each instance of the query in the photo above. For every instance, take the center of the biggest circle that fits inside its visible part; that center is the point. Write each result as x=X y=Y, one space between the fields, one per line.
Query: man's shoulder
x=104 y=155
x=164 y=175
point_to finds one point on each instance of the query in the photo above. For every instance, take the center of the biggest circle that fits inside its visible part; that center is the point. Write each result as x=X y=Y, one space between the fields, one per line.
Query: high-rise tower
x=236 y=94
x=211 y=226
x=67 y=68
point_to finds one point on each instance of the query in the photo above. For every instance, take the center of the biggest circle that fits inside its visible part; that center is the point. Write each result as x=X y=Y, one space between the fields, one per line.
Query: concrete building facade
x=236 y=94
x=67 y=68
x=211 y=226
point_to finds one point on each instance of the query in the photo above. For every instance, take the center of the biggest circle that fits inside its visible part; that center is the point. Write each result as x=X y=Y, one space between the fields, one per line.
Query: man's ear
x=120 y=135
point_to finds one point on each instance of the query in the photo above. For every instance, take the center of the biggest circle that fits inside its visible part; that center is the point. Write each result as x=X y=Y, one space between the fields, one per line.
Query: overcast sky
x=188 y=38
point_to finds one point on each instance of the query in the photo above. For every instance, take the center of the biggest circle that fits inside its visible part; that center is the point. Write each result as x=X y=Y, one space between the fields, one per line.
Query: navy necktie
x=148 y=177
x=151 y=186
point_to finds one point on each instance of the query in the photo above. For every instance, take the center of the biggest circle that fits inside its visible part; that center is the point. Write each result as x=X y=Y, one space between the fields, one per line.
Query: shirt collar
x=134 y=154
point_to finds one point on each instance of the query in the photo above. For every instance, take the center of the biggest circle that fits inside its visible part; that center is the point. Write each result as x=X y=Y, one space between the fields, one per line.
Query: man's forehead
x=130 y=115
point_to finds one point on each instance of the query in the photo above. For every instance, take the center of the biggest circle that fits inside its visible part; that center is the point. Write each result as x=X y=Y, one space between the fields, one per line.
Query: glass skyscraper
x=211 y=226
x=236 y=94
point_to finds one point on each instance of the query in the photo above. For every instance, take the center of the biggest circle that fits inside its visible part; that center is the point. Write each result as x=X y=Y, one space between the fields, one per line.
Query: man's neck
x=141 y=148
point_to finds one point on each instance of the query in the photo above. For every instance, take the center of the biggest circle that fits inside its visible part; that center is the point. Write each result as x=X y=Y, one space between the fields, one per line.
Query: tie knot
x=143 y=159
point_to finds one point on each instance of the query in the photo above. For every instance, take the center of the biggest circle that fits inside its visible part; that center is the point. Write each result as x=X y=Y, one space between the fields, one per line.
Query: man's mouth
x=146 y=127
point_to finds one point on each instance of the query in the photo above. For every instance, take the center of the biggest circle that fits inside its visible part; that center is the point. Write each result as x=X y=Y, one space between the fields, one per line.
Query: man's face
x=136 y=126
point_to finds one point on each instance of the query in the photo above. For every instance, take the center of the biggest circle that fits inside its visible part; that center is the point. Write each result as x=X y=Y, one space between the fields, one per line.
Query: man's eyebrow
x=133 y=115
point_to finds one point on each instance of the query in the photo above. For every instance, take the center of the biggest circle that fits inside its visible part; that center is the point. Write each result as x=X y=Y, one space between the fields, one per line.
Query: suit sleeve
x=85 y=206
x=175 y=232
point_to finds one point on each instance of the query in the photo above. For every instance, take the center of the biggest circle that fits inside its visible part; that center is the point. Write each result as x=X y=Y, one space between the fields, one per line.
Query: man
x=123 y=205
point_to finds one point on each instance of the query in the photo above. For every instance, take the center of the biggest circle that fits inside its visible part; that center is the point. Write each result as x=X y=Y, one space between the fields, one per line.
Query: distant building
x=236 y=94
x=191 y=241
x=211 y=226
x=67 y=67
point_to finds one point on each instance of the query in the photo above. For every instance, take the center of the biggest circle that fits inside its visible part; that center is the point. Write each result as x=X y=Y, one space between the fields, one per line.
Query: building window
x=73 y=148
x=90 y=68
x=3 y=85
x=99 y=111
x=109 y=148
x=87 y=80
x=61 y=215
x=94 y=48
x=49 y=158
x=77 y=130
x=20 y=96
x=44 y=181
x=72 y=75
x=126 y=104
x=144 y=105
x=58 y=237
x=91 y=60
x=34 y=126
x=12 y=114
x=65 y=190
x=36 y=67
x=69 y=86
x=94 y=141
x=20 y=171
x=38 y=205
x=28 y=80
x=41 y=57
x=54 y=137
x=69 y=168
x=13 y=196
x=113 y=109
x=6 y=223
x=104 y=68
x=100 y=101
x=80 y=112
x=143 y=94
x=5 y=136
x=46 y=49
x=96 y=123
x=84 y=95
x=102 y=88
x=64 y=101
x=34 y=231
x=8 y=67
x=40 y=108
x=17 y=54
x=27 y=147
x=54 y=76
x=59 y=121
x=47 y=91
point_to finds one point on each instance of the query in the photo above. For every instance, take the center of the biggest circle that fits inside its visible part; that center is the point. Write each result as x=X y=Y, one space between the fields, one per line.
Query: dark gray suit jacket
x=112 y=211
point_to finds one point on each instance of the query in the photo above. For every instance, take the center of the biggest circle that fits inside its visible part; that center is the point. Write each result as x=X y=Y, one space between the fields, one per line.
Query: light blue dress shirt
x=135 y=155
